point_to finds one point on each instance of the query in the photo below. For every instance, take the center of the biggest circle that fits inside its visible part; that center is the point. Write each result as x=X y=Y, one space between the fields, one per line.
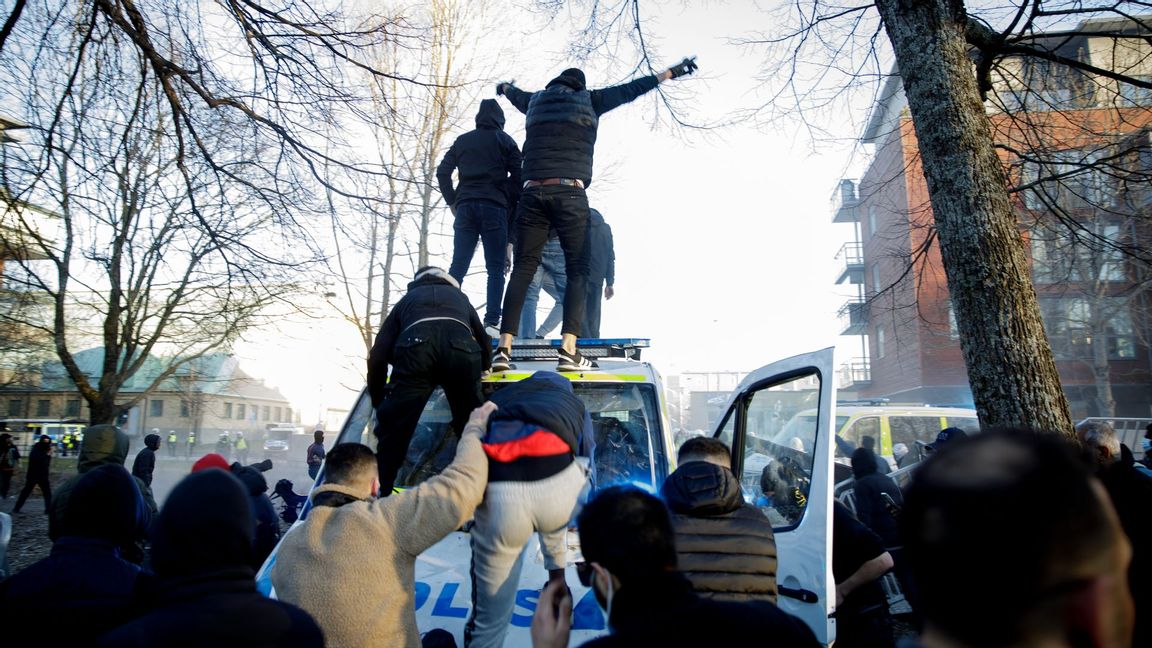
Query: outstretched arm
x=616 y=96
x=515 y=96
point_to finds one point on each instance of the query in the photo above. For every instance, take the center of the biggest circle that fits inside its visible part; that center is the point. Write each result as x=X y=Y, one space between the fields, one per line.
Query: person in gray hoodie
x=488 y=162
x=103 y=444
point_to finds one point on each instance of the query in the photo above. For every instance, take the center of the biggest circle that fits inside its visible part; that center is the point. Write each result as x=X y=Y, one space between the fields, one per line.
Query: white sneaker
x=574 y=362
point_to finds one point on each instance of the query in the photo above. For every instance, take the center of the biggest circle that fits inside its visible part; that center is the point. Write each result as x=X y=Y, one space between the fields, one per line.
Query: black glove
x=500 y=87
x=687 y=66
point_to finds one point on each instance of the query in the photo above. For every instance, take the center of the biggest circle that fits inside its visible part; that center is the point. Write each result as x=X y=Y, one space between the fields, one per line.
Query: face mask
x=1147 y=445
x=605 y=605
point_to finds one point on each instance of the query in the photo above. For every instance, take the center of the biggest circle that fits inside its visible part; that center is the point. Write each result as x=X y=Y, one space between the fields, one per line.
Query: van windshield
x=625 y=422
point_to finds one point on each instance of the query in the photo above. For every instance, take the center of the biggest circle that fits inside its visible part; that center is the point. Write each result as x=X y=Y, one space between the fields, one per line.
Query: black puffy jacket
x=562 y=121
x=488 y=160
x=724 y=545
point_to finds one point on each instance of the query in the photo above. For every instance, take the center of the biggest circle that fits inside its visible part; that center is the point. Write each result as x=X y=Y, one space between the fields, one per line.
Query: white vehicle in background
x=634 y=446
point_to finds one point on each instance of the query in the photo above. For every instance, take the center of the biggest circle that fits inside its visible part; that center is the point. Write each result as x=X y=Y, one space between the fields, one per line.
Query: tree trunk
x=1009 y=361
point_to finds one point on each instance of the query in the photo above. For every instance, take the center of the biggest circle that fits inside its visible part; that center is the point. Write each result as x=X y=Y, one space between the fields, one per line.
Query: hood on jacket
x=490 y=115
x=252 y=479
x=572 y=77
x=595 y=217
x=430 y=275
x=105 y=503
x=103 y=444
x=205 y=526
x=702 y=489
x=152 y=441
x=863 y=463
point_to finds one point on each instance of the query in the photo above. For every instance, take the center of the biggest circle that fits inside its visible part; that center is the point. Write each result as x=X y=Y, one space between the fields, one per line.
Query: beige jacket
x=353 y=568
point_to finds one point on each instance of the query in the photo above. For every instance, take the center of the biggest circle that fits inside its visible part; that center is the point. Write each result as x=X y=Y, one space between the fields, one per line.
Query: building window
x=72 y=408
x=871 y=220
x=241 y=411
x=42 y=407
x=880 y=342
x=267 y=411
x=15 y=407
x=185 y=408
x=1075 y=324
x=875 y=277
x=288 y=414
x=227 y=410
x=157 y=407
x=278 y=419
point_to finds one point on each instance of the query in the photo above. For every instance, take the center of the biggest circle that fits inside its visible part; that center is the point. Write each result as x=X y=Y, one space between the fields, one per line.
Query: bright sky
x=724 y=241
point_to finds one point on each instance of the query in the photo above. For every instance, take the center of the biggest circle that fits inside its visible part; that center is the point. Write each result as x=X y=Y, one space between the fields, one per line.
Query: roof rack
x=628 y=348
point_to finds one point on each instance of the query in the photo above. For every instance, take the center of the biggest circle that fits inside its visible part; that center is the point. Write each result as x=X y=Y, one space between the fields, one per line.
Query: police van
x=625 y=398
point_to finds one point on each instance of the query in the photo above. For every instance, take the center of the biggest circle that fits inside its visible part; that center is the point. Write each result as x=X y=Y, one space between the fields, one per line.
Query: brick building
x=1076 y=148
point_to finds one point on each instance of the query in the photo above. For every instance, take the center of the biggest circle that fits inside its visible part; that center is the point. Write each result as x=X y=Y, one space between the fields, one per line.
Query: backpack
x=10 y=459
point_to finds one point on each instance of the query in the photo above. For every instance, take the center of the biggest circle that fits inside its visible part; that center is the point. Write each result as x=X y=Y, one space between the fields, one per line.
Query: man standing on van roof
x=488 y=161
x=561 y=135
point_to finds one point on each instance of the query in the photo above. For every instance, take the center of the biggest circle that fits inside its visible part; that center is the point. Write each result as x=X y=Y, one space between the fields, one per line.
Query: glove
x=687 y=66
x=500 y=87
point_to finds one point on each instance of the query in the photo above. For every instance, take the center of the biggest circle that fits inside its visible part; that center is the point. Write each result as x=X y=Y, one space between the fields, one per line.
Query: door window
x=776 y=472
x=910 y=429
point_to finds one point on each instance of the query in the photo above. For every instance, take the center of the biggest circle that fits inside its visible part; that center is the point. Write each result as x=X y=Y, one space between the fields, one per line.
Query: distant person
x=551 y=278
x=1020 y=504
x=265 y=520
x=241 y=448
x=145 y=463
x=432 y=337
x=205 y=593
x=561 y=122
x=191 y=443
x=628 y=545
x=84 y=583
x=39 y=462
x=171 y=443
x=601 y=271
x=488 y=162
x=367 y=597
x=1131 y=495
x=859 y=560
x=902 y=455
x=1146 y=446
x=944 y=437
x=9 y=462
x=315 y=454
x=724 y=545
x=103 y=445
x=878 y=498
x=535 y=479
x=868 y=442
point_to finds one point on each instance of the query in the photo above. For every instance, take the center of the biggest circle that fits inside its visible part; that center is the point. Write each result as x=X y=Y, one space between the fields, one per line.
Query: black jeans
x=564 y=209
x=32 y=481
x=440 y=353
x=476 y=219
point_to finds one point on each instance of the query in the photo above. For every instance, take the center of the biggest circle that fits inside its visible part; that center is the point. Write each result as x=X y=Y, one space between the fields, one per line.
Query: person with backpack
x=9 y=461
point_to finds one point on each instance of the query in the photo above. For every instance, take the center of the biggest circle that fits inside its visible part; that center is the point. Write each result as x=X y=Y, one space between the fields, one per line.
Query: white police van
x=625 y=397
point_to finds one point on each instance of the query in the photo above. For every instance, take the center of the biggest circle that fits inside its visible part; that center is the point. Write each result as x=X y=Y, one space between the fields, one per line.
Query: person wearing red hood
x=561 y=122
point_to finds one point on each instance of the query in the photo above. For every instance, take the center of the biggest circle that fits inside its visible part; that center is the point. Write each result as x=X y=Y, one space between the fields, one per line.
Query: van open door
x=784 y=462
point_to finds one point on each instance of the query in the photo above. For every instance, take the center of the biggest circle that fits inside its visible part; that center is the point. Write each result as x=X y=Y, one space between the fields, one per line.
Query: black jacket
x=663 y=611
x=206 y=591
x=544 y=399
x=39 y=459
x=872 y=510
x=562 y=121
x=430 y=296
x=488 y=160
x=1131 y=495
x=145 y=463
x=724 y=545
x=601 y=252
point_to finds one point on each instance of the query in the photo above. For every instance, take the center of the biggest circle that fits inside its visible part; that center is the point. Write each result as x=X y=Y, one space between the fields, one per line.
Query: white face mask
x=607 y=599
x=1147 y=443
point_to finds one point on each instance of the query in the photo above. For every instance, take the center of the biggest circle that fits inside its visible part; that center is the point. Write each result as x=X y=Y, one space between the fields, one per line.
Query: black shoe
x=574 y=362
x=502 y=360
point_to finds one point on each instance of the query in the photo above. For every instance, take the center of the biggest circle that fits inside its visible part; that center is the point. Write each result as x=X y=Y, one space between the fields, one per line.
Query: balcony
x=844 y=203
x=850 y=262
x=855 y=373
x=853 y=317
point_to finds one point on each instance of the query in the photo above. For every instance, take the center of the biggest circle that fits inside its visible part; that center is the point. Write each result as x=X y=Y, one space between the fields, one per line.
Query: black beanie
x=105 y=503
x=572 y=77
x=205 y=526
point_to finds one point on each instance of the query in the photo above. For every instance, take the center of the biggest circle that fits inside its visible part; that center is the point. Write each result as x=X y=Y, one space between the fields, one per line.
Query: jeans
x=595 y=286
x=487 y=222
x=440 y=353
x=510 y=513
x=564 y=209
x=551 y=277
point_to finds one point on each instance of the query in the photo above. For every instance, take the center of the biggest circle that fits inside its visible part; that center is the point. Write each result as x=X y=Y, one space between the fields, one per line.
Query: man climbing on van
x=561 y=122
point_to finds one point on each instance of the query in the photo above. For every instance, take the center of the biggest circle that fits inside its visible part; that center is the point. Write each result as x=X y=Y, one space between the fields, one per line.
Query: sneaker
x=574 y=362
x=492 y=330
x=502 y=360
